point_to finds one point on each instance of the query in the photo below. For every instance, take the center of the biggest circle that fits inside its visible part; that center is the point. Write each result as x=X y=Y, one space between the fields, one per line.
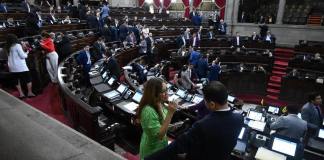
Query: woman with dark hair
x=154 y=116
x=51 y=56
x=17 y=65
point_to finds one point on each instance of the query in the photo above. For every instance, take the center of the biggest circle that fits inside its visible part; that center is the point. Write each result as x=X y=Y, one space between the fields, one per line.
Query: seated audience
x=294 y=73
x=259 y=68
x=17 y=65
x=291 y=125
x=205 y=140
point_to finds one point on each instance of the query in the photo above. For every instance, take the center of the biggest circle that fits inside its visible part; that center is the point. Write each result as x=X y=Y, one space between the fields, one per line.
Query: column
x=58 y=3
x=281 y=11
x=236 y=10
x=231 y=11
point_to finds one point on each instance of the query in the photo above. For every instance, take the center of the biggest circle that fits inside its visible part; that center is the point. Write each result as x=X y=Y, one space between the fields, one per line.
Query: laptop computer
x=116 y=93
x=230 y=99
x=254 y=115
x=273 y=110
x=241 y=144
x=96 y=80
x=131 y=106
x=320 y=134
x=284 y=145
x=257 y=125
x=180 y=93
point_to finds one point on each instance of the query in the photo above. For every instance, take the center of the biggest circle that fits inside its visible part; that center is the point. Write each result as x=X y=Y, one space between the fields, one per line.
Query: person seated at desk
x=212 y=137
x=291 y=125
x=84 y=59
x=311 y=112
x=241 y=67
x=112 y=64
x=154 y=116
x=237 y=41
x=99 y=49
x=67 y=20
x=140 y=70
x=10 y=22
x=255 y=37
x=294 y=73
x=268 y=53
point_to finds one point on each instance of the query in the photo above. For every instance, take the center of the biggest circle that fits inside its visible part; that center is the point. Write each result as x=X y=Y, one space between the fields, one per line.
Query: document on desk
x=265 y=154
x=131 y=106
x=111 y=94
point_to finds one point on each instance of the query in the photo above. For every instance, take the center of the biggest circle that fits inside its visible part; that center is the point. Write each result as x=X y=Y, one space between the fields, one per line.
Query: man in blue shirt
x=202 y=67
x=214 y=71
x=194 y=57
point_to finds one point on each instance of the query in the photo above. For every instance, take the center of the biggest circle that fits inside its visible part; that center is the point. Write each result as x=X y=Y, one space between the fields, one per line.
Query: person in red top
x=51 y=56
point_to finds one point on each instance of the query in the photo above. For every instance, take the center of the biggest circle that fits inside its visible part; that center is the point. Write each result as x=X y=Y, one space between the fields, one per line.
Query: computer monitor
x=321 y=133
x=121 y=88
x=137 y=97
x=241 y=135
x=111 y=81
x=104 y=75
x=257 y=116
x=230 y=98
x=284 y=146
x=197 y=99
x=273 y=109
x=181 y=93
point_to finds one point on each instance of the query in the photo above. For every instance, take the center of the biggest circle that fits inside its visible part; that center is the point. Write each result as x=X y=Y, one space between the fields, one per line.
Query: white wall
x=123 y=3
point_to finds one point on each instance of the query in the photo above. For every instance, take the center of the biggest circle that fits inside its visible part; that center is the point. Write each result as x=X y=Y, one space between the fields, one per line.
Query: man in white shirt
x=237 y=42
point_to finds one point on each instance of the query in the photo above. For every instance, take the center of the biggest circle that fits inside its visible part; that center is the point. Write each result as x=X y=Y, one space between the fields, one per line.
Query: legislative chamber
x=162 y=79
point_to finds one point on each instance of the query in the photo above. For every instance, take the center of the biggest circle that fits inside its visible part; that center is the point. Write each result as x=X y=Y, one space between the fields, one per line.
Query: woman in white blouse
x=17 y=65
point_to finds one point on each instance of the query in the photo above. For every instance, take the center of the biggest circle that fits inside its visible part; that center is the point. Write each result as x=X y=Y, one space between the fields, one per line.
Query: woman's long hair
x=151 y=97
x=11 y=39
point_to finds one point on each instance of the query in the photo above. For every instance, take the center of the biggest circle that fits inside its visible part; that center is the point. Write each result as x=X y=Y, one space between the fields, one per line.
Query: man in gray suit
x=290 y=125
x=311 y=111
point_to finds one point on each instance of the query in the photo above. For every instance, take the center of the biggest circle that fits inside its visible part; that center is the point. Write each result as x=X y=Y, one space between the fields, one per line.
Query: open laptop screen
x=241 y=133
x=197 y=99
x=111 y=81
x=104 y=75
x=321 y=133
x=181 y=93
x=137 y=97
x=274 y=110
x=284 y=146
x=121 y=88
x=257 y=116
x=230 y=99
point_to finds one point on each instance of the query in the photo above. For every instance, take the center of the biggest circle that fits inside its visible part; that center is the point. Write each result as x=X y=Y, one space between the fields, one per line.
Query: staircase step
x=271 y=90
x=283 y=54
x=275 y=79
x=279 y=68
x=286 y=50
x=281 y=63
x=272 y=97
x=276 y=85
x=284 y=59
x=278 y=72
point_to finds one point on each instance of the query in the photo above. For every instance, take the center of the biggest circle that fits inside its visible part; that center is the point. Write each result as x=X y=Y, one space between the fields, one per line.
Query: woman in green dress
x=154 y=116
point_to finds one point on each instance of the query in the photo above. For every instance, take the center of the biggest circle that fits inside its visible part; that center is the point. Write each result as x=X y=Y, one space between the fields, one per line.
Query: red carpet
x=48 y=102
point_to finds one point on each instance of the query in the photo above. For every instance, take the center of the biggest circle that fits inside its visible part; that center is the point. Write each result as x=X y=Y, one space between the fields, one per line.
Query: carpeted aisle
x=47 y=102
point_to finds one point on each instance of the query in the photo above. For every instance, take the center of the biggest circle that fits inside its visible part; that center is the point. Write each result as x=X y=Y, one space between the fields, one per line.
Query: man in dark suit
x=194 y=41
x=131 y=39
x=212 y=137
x=99 y=49
x=52 y=19
x=84 y=59
x=291 y=125
x=237 y=41
x=91 y=20
x=311 y=111
x=64 y=46
x=139 y=69
x=255 y=37
x=112 y=65
x=181 y=41
x=202 y=67
x=214 y=71
x=222 y=27
x=123 y=30
x=210 y=33
x=194 y=56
